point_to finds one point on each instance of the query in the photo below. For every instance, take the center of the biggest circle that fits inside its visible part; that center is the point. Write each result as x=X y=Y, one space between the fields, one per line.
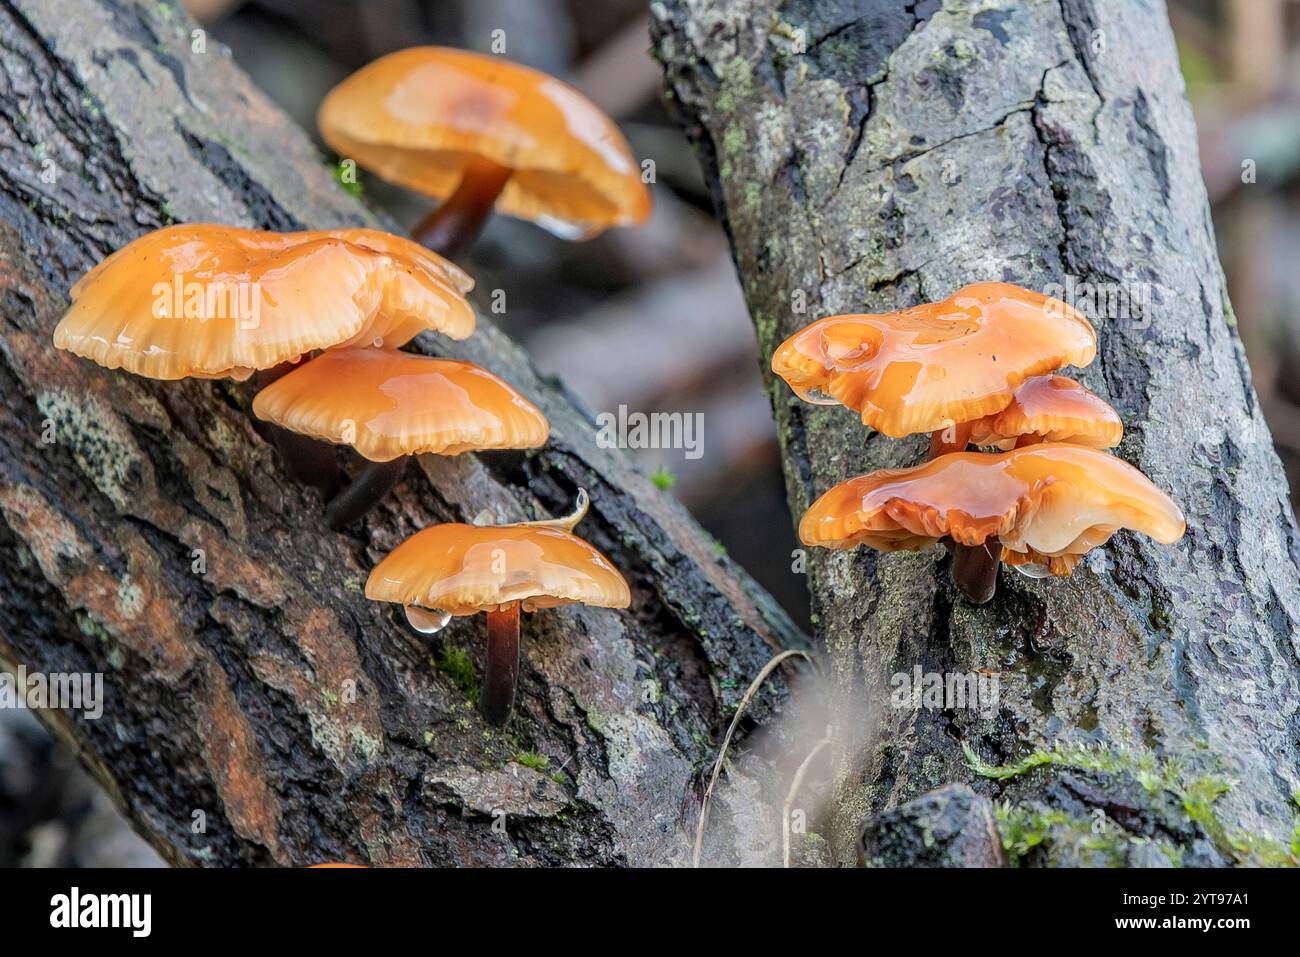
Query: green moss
x=455 y=663
x=1143 y=767
x=1097 y=842
x=1026 y=827
x=352 y=188
x=663 y=478
x=531 y=759
x=329 y=697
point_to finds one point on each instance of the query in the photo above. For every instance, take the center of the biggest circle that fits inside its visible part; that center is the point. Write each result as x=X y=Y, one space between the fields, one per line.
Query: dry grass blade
x=796 y=783
x=726 y=741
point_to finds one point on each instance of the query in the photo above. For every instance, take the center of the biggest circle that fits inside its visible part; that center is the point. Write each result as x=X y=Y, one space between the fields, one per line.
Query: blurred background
x=654 y=318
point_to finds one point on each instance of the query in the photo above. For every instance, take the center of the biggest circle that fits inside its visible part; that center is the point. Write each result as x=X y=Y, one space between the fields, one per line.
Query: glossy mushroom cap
x=212 y=301
x=464 y=569
x=1050 y=408
x=935 y=365
x=387 y=404
x=419 y=117
x=1043 y=500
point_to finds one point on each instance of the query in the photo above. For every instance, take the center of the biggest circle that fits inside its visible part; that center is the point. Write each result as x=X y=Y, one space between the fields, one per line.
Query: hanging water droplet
x=1033 y=571
x=564 y=229
x=816 y=397
x=427 y=621
x=484 y=517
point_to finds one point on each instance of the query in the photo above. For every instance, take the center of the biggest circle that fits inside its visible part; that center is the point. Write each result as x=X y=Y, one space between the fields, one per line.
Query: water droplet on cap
x=427 y=621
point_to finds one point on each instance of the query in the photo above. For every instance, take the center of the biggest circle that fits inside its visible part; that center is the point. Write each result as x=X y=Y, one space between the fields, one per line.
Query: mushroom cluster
x=977 y=368
x=317 y=320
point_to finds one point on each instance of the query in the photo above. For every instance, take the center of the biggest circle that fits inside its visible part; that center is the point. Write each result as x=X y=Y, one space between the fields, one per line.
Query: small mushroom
x=937 y=368
x=391 y=405
x=210 y=301
x=479 y=132
x=454 y=569
x=1050 y=408
x=1046 y=504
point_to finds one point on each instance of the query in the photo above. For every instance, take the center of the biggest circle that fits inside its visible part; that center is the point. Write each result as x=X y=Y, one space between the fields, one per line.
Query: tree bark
x=259 y=709
x=869 y=155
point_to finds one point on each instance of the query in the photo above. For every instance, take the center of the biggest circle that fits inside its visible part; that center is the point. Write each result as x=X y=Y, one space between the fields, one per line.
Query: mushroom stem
x=307 y=460
x=974 y=567
x=975 y=570
x=954 y=438
x=452 y=228
x=501 y=669
x=364 y=492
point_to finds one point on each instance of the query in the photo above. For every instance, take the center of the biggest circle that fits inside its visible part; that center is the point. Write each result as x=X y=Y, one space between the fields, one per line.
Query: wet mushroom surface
x=390 y=405
x=1051 y=502
x=458 y=569
x=481 y=133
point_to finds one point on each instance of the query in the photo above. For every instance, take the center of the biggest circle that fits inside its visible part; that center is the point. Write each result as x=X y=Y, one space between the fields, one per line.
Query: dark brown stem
x=975 y=570
x=974 y=567
x=452 y=228
x=307 y=460
x=501 y=669
x=364 y=492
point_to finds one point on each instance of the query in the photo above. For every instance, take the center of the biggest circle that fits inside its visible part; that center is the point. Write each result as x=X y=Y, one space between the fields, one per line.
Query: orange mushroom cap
x=386 y=404
x=465 y=569
x=211 y=301
x=418 y=117
x=1044 y=500
x=1051 y=408
x=938 y=364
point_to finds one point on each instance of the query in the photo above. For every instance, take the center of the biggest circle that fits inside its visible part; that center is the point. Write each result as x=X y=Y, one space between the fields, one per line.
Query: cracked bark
x=1029 y=142
x=157 y=540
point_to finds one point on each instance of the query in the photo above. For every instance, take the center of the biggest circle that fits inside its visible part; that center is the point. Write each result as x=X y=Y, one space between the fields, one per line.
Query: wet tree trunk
x=258 y=709
x=871 y=154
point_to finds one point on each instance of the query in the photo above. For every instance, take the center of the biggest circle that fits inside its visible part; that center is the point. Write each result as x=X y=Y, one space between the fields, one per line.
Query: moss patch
x=531 y=759
x=663 y=478
x=456 y=664
x=1100 y=841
